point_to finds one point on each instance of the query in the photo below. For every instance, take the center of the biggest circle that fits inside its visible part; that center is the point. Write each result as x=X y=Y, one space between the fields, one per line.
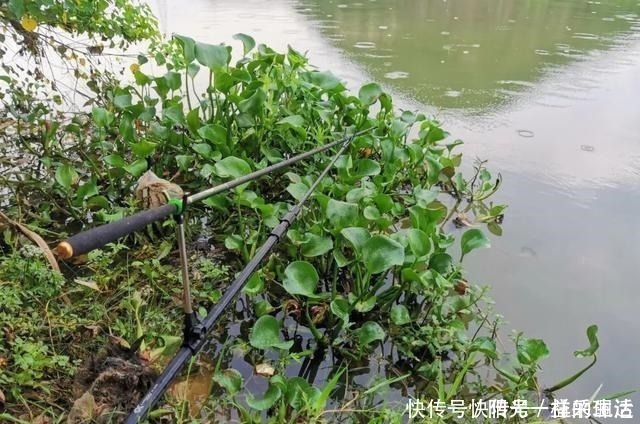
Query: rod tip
x=64 y=250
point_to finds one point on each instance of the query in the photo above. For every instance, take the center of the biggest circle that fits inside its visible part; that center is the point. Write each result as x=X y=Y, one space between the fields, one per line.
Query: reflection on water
x=547 y=90
x=470 y=54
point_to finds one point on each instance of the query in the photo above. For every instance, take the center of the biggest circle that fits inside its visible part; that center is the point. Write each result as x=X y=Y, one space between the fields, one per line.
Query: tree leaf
x=381 y=253
x=266 y=334
x=301 y=278
x=473 y=239
x=370 y=332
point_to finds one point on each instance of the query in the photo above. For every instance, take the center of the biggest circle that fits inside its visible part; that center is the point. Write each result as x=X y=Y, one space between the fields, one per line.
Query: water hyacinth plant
x=372 y=269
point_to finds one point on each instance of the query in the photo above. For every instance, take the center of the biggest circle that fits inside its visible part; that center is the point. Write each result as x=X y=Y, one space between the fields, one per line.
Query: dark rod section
x=98 y=237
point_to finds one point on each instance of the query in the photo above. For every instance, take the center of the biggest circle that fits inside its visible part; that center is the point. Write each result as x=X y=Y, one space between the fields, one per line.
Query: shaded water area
x=547 y=91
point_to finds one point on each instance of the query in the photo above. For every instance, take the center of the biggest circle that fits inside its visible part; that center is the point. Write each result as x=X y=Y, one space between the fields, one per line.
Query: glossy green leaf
x=143 y=148
x=102 y=117
x=253 y=104
x=473 y=239
x=301 y=278
x=174 y=114
x=380 y=253
x=266 y=334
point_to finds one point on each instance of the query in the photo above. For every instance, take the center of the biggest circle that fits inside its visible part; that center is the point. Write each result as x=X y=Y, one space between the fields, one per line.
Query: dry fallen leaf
x=265 y=370
x=34 y=237
x=91 y=284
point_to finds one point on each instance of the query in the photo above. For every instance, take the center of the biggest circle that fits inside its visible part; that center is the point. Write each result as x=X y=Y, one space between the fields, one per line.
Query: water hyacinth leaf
x=203 y=149
x=485 y=345
x=248 y=43
x=233 y=242
x=253 y=104
x=212 y=56
x=366 y=167
x=143 y=148
x=215 y=133
x=381 y=253
x=122 y=101
x=400 y=315
x=297 y=190
x=254 y=286
x=370 y=332
x=441 y=263
x=340 y=308
x=419 y=242
x=531 y=351
x=270 y=397
x=357 y=236
x=188 y=47
x=342 y=214
x=102 y=117
x=231 y=166
x=230 y=379
x=265 y=334
x=295 y=122
x=325 y=80
x=316 y=245
x=137 y=168
x=371 y=213
x=301 y=278
x=66 y=176
x=473 y=239
x=424 y=197
x=114 y=160
x=594 y=344
x=369 y=93
x=298 y=392
x=175 y=114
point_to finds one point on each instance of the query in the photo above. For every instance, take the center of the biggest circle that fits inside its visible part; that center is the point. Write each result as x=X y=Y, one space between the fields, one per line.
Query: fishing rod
x=99 y=236
x=195 y=331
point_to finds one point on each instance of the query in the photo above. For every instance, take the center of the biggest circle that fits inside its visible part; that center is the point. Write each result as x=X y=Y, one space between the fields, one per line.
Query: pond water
x=549 y=92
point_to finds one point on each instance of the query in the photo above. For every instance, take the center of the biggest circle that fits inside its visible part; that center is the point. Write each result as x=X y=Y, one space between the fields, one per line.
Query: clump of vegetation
x=370 y=275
